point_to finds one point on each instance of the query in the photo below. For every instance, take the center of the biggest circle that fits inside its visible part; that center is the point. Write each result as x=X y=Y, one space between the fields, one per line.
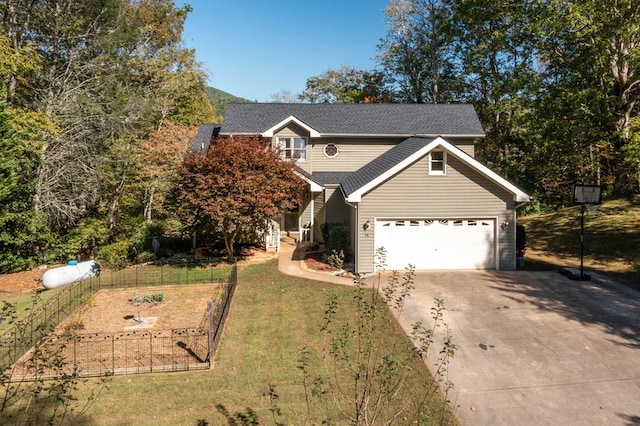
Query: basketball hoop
x=588 y=197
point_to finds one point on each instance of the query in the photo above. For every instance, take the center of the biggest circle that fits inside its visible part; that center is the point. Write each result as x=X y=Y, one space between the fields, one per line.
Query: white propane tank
x=72 y=272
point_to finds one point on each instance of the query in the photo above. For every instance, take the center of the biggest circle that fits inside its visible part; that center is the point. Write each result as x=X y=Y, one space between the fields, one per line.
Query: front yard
x=272 y=318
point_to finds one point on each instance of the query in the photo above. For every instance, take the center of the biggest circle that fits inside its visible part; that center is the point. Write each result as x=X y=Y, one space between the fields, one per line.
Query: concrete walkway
x=290 y=263
x=534 y=348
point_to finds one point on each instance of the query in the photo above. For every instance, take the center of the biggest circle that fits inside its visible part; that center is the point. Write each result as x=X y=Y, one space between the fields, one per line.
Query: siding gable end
x=357 y=184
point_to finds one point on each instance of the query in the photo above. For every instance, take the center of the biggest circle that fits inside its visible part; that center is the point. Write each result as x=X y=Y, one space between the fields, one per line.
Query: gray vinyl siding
x=352 y=153
x=468 y=149
x=465 y=144
x=461 y=193
x=319 y=209
x=305 y=208
x=336 y=210
x=292 y=130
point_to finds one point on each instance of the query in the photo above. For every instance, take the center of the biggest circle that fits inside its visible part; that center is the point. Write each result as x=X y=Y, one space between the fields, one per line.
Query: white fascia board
x=399 y=135
x=456 y=135
x=367 y=135
x=291 y=119
x=519 y=195
x=313 y=187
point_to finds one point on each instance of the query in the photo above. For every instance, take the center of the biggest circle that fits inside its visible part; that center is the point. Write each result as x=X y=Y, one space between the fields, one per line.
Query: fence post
x=151 y=351
x=212 y=333
x=113 y=353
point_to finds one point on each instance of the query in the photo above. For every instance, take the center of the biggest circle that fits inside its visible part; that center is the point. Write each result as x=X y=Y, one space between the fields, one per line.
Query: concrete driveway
x=537 y=348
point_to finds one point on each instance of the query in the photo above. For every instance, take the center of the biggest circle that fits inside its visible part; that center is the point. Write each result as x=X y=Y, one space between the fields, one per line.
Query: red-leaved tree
x=238 y=184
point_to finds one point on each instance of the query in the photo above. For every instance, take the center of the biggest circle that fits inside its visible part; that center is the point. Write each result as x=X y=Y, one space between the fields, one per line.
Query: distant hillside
x=220 y=99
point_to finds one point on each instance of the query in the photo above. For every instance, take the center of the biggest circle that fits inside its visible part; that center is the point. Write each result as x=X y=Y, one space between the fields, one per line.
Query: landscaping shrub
x=115 y=255
x=521 y=240
x=336 y=259
x=336 y=237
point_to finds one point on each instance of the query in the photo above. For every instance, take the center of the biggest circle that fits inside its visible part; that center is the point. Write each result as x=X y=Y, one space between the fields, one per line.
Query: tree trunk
x=148 y=208
x=115 y=205
x=229 y=240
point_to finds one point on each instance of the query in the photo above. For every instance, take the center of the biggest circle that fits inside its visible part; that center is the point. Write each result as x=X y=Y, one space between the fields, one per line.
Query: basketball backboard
x=587 y=194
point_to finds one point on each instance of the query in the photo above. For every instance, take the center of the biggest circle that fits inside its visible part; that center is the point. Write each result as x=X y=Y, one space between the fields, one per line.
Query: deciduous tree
x=162 y=155
x=591 y=52
x=236 y=186
x=347 y=85
x=416 y=54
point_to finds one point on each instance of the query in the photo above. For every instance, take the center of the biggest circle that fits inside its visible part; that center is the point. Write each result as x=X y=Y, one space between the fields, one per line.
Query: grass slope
x=272 y=317
x=611 y=240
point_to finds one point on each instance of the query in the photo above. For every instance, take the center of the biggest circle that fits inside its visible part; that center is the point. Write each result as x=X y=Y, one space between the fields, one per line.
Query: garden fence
x=35 y=352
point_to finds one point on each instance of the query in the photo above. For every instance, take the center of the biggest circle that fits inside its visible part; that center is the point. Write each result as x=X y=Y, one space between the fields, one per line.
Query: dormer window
x=292 y=148
x=437 y=163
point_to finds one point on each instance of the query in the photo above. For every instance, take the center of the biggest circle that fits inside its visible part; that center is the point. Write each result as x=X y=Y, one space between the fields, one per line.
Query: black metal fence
x=167 y=274
x=31 y=351
x=41 y=321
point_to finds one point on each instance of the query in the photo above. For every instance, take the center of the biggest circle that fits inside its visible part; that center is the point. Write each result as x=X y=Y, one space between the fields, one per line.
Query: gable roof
x=354 y=119
x=406 y=153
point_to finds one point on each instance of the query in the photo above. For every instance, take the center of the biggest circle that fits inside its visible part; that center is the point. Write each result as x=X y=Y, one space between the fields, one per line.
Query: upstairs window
x=437 y=163
x=292 y=148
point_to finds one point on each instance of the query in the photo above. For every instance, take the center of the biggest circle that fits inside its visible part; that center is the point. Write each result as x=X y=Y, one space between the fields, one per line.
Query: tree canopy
x=99 y=101
x=87 y=90
x=238 y=185
x=555 y=83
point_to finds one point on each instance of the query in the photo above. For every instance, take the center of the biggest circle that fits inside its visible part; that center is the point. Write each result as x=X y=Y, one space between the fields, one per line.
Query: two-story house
x=400 y=176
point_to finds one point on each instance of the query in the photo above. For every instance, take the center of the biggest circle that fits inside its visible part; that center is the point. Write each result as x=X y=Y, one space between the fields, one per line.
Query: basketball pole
x=582 y=242
x=583 y=195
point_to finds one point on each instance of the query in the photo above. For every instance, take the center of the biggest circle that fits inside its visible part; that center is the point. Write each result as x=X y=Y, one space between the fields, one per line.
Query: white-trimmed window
x=292 y=148
x=437 y=163
x=331 y=150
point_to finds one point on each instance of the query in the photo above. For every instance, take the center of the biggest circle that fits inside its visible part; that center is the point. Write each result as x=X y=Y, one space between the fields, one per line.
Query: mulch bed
x=315 y=262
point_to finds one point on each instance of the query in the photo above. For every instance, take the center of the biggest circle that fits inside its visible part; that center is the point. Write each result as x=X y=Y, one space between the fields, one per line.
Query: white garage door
x=437 y=243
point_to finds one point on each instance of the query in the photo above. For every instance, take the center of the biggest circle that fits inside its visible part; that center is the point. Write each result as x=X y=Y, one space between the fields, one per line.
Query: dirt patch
x=110 y=310
x=21 y=282
x=98 y=338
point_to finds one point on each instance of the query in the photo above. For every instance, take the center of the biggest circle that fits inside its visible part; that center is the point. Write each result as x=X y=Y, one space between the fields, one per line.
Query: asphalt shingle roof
x=203 y=137
x=329 y=178
x=356 y=119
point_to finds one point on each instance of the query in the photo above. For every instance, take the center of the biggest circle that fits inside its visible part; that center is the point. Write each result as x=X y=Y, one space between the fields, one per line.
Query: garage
x=437 y=243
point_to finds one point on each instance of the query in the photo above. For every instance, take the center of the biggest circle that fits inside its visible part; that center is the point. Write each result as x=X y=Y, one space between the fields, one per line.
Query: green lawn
x=24 y=304
x=611 y=240
x=272 y=317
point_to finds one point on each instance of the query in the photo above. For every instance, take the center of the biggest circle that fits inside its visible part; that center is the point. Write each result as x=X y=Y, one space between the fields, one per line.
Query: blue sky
x=257 y=48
